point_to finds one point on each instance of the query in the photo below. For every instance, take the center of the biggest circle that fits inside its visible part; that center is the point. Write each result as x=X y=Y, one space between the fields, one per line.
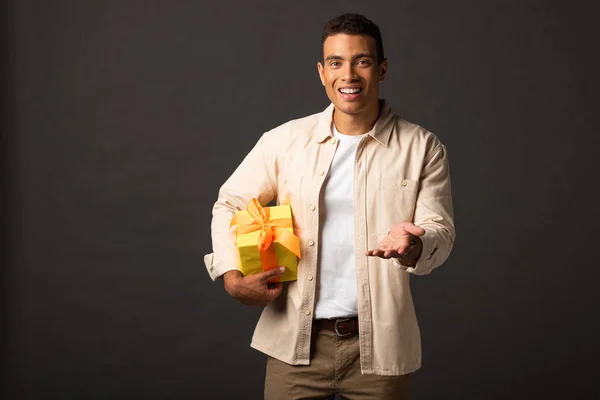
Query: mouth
x=350 y=93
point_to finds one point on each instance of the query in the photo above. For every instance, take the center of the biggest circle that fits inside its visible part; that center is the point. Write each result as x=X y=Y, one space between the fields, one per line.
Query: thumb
x=272 y=273
x=414 y=229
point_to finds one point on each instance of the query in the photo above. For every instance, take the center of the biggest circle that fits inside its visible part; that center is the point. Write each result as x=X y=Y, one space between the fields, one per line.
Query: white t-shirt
x=336 y=290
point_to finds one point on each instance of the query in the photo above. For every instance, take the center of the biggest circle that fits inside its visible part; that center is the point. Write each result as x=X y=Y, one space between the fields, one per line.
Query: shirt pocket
x=392 y=183
x=289 y=191
x=396 y=201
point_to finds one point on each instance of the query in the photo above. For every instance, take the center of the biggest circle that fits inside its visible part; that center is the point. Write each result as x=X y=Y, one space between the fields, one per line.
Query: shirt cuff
x=216 y=270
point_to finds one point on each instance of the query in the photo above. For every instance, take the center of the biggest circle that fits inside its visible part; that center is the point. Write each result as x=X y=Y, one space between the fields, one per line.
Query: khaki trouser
x=334 y=369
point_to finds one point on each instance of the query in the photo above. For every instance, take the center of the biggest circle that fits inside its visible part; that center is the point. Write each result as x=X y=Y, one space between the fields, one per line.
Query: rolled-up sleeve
x=434 y=213
x=255 y=177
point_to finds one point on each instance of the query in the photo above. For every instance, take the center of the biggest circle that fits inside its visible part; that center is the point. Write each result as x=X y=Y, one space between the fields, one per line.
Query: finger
x=414 y=229
x=381 y=255
x=400 y=250
x=272 y=273
x=386 y=253
x=378 y=253
x=274 y=286
x=274 y=290
x=389 y=254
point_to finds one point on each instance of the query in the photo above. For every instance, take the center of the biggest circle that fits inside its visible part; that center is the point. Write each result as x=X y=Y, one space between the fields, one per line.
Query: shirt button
x=321 y=172
x=284 y=180
x=306 y=312
x=332 y=140
x=309 y=277
x=404 y=183
x=311 y=242
x=312 y=207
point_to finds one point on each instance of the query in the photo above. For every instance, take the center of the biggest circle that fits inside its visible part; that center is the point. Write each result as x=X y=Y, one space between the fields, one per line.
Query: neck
x=356 y=124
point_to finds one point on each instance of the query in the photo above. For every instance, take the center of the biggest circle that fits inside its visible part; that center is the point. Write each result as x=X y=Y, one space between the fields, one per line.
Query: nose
x=349 y=74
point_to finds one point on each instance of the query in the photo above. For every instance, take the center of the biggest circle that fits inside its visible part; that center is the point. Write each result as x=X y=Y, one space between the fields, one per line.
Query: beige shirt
x=401 y=174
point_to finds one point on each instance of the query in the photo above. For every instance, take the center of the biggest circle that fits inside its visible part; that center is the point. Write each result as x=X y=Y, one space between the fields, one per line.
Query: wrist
x=230 y=278
x=412 y=254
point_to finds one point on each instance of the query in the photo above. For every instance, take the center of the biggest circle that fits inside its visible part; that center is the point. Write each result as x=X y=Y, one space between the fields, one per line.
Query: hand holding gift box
x=266 y=240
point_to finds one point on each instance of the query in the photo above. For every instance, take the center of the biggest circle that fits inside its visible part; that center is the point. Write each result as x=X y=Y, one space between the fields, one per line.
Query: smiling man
x=372 y=205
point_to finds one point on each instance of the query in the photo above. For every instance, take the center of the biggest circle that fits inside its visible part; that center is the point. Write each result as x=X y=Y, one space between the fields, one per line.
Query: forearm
x=254 y=178
x=434 y=214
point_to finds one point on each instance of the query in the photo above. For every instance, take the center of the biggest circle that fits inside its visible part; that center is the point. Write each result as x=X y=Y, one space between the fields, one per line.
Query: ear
x=320 y=69
x=382 y=70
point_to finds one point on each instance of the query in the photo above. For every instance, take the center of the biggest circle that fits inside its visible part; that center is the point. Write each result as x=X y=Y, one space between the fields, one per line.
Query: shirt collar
x=382 y=131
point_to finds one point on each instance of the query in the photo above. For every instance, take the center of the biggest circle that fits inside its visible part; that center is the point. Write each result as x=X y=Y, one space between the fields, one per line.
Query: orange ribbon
x=270 y=230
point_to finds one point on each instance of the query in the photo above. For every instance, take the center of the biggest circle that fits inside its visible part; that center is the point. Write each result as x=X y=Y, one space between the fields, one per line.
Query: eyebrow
x=354 y=57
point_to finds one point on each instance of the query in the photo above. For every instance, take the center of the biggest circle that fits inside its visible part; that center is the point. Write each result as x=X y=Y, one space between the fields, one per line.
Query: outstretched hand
x=398 y=242
x=255 y=289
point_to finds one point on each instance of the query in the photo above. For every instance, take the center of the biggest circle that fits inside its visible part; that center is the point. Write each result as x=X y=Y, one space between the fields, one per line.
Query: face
x=350 y=73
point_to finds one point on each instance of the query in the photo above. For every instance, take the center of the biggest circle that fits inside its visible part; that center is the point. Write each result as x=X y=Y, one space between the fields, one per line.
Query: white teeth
x=350 y=90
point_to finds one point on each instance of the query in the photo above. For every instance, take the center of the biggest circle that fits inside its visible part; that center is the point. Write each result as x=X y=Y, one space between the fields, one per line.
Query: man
x=370 y=193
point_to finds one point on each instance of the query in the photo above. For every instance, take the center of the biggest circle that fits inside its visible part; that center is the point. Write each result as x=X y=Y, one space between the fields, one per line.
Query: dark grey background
x=124 y=117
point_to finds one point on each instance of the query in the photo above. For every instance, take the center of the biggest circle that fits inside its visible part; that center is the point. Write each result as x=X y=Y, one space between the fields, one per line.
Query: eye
x=363 y=62
x=334 y=63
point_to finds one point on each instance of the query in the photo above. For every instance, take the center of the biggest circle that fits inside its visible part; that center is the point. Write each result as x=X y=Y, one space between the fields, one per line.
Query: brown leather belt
x=341 y=326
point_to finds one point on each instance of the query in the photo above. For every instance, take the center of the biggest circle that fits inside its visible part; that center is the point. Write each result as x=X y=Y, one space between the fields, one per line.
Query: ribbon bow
x=258 y=218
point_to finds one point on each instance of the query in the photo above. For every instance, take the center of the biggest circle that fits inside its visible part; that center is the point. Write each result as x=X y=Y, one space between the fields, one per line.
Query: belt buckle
x=338 y=321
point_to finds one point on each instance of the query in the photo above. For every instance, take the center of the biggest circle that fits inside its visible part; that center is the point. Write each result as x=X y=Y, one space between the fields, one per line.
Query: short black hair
x=354 y=24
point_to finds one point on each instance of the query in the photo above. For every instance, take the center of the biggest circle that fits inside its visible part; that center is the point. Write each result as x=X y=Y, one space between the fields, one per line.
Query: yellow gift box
x=266 y=240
